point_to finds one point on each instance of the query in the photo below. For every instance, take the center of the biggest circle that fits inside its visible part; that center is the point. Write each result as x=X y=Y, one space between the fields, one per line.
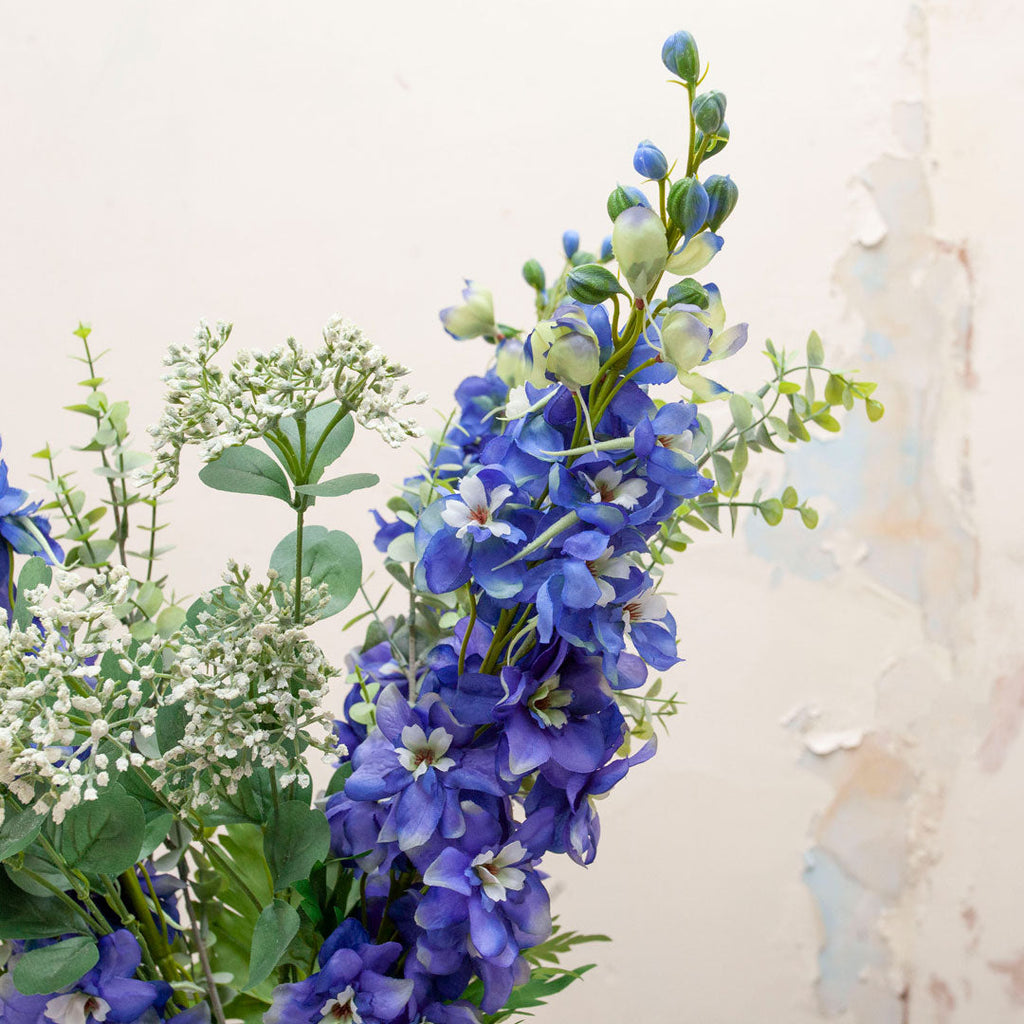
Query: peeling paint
x=1006 y=715
x=824 y=743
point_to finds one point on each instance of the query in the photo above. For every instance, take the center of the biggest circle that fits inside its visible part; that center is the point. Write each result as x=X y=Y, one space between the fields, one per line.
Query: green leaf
x=51 y=968
x=328 y=556
x=34 y=573
x=834 y=388
x=337 y=783
x=29 y=917
x=772 y=511
x=339 y=485
x=150 y=598
x=788 y=387
x=740 y=457
x=246 y=470
x=723 y=473
x=790 y=498
x=250 y=803
x=275 y=929
x=170 y=620
x=21 y=826
x=296 y=838
x=105 y=835
x=815 y=350
x=874 y=409
x=796 y=426
x=156 y=832
x=809 y=516
x=170 y=726
x=742 y=414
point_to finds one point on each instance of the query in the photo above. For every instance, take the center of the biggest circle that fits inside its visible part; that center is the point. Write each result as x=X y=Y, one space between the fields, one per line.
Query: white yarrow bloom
x=214 y=409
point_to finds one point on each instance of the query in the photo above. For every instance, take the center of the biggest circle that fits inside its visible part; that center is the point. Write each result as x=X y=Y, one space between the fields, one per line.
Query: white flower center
x=608 y=566
x=497 y=877
x=475 y=509
x=420 y=752
x=645 y=607
x=608 y=486
x=77 y=1008
x=547 y=701
x=341 y=1009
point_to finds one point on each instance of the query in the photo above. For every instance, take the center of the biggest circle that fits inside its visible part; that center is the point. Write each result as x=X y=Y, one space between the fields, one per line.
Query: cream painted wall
x=833 y=829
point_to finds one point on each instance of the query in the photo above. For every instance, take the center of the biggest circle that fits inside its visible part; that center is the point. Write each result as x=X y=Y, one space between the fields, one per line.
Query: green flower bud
x=716 y=145
x=533 y=274
x=623 y=198
x=722 y=194
x=575 y=360
x=688 y=292
x=679 y=55
x=592 y=283
x=579 y=257
x=709 y=111
x=567 y=348
x=687 y=205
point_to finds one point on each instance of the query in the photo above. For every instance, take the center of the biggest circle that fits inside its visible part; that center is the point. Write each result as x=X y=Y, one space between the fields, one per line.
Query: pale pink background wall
x=834 y=828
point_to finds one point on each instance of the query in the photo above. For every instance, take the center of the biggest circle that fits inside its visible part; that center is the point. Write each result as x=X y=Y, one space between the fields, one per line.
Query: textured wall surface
x=834 y=828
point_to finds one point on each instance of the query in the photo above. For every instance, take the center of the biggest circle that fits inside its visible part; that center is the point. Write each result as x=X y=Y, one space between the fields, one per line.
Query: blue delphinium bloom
x=26 y=532
x=351 y=987
x=108 y=992
x=664 y=442
x=423 y=758
x=22 y=531
x=486 y=887
x=472 y=534
x=575 y=827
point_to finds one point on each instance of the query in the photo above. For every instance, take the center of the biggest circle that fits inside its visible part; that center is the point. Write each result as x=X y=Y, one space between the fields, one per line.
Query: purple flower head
x=487 y=884
x=421 y=760
x=556 y=711
x=351 y=987
x=604 y=494
x=664 y=441
x=25 y=532
x=574 y=827
x=108 y=992
x=472 y=534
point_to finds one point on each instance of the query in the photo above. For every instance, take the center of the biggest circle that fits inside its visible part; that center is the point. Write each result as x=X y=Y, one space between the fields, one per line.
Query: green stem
x=469 y=629
x=337 y=418
x=216 y=1008
x=300 y=515
x=132 y=923
x=81 y=888
x=100 y=925
x=10 y=573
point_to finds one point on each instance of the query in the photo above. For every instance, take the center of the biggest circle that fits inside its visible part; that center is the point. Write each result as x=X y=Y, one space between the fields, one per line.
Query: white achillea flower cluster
x=366 y=384
x=65 y=729
x=215 y=409
x=251 y=684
